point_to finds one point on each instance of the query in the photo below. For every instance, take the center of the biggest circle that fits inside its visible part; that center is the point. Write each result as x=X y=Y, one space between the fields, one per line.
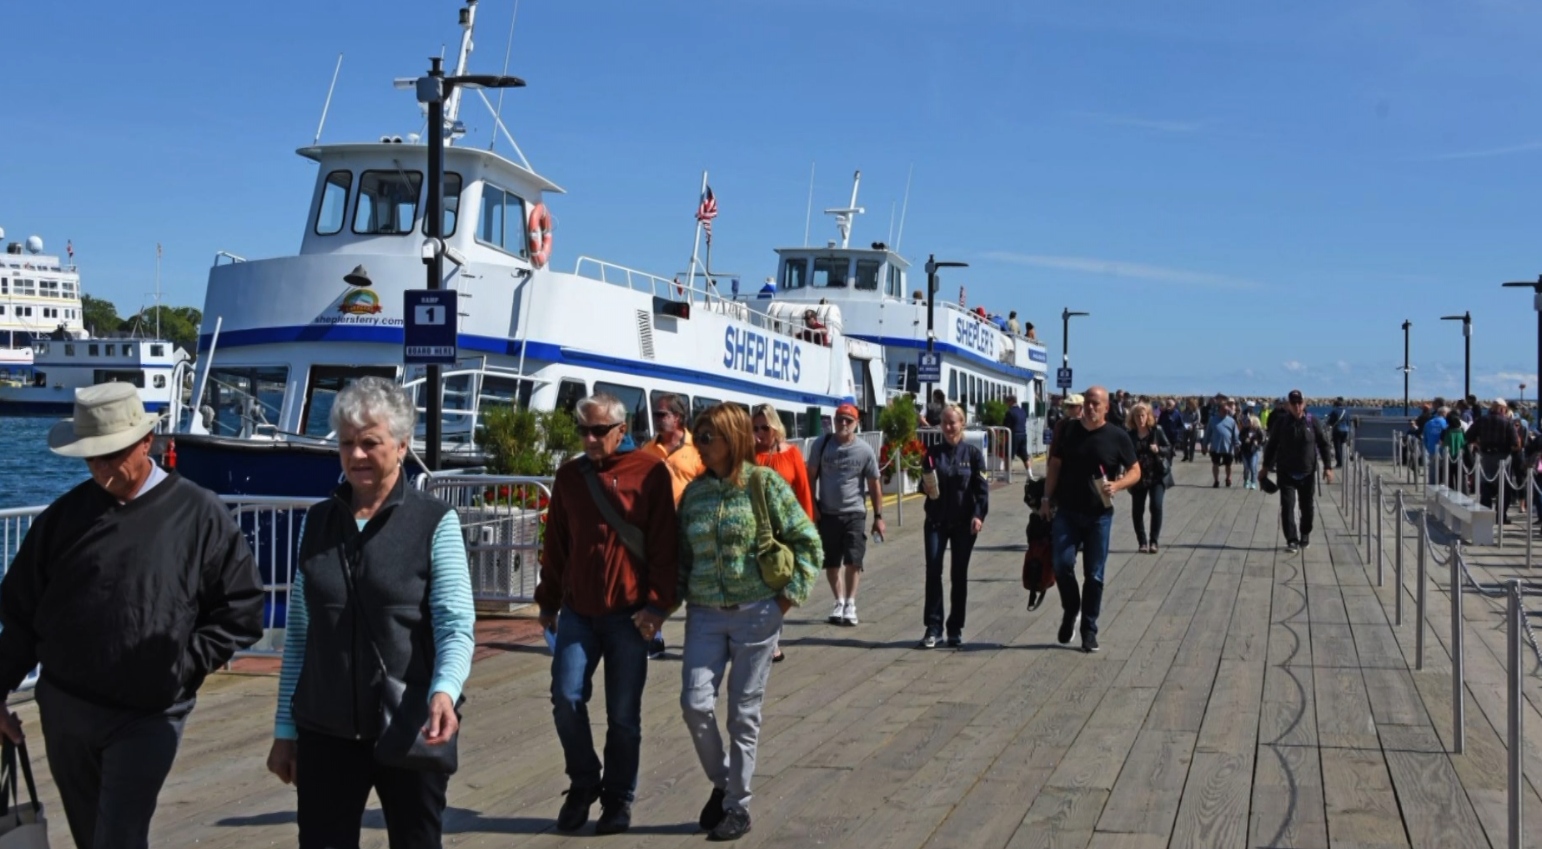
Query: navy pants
x=938 y=537
x=1090 y=531
x=582 y=642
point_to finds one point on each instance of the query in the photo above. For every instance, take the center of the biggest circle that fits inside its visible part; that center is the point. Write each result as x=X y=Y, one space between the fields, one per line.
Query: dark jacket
x=1171 y=423
x=1295 y=444
x=963 y=491
x=1155 y=467
x=129 y=605
x=389 y=564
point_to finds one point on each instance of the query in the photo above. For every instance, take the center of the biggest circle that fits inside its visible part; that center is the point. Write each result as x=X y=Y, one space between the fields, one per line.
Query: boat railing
x=704 y=293
x=218 y=255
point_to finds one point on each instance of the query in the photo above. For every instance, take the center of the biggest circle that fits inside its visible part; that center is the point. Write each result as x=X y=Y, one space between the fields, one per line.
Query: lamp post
x=433 y=90
x=932 y=285
x=1536 y=303
x=1065 y=335
x=1466 y=320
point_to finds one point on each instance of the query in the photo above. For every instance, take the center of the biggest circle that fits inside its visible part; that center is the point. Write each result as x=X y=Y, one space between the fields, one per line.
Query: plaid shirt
x=1495 y=435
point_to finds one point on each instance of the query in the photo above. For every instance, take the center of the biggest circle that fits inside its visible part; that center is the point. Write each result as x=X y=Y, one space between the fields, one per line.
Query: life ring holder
x=540 y=235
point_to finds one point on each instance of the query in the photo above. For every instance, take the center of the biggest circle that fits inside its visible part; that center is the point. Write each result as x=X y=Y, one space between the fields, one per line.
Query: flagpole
x=157 y=290
x=696 y=242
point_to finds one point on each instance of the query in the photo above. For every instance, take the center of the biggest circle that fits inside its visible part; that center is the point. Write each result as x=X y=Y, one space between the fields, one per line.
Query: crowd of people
x=1481 y=446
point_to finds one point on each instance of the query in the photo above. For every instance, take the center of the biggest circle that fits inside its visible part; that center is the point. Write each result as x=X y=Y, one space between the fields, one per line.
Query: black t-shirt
x=1082 y=452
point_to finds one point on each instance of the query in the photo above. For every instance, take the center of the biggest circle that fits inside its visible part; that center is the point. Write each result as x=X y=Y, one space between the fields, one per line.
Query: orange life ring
x=540 y=235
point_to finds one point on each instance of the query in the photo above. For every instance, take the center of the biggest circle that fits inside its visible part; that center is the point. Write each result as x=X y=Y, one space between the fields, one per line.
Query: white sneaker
x=850 y=616
x=838 y=613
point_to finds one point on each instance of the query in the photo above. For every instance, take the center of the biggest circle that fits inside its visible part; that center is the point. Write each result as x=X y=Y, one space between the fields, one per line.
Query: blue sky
x=1245 y=198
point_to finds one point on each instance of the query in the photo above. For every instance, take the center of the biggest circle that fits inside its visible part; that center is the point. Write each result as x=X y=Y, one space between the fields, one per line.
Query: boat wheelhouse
x=282 y=336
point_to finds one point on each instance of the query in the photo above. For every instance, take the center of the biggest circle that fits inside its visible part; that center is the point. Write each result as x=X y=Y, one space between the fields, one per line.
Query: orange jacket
x=684 y=464
x=791 y=466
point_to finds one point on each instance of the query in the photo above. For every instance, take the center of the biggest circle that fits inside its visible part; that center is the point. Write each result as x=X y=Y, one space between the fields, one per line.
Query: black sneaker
x=1067 y=628
x=928 y=642
x=575 y=808
x=955 y=641
x=1292 y=547
x=735 y=824
x=1305 y=541
x=1089 y=642
x=615 y=817
x=656 y=648
x=712 y=812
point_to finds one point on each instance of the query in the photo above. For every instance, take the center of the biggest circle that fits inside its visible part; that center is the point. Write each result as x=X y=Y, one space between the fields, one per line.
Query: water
x=30 y=474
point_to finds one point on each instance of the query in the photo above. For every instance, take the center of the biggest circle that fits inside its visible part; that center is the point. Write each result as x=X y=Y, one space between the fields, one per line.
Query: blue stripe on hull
x=950 y=348
x=37 y=409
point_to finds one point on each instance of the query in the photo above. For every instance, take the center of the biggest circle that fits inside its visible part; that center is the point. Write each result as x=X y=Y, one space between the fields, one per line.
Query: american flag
x=69 y=247
x=706 y=212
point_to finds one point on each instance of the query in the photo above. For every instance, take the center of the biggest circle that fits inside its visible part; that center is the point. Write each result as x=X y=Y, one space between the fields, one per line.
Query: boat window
x=325 y=383
x=239 y=400
x=636 y=401
x=388 y=202
x=160 y=381
x=952 y=384
x=5 y=285
x=93 y=350
x=502 y=223
x=103 y=375
x=157 y=350
x=506 y=390
x=24 y=287
x=333 y=209
x=25 y=312
x=867 y=274
x=789 y=423
x=2 y=309
x=69 y=350
x=830 y=271
x=700 y=405
x=107 y=350
x=452 y=185
x=795 y=274
x=896 y=286
x=569 y=393
x=128 y=350
x=912 y=381
x=48 y=288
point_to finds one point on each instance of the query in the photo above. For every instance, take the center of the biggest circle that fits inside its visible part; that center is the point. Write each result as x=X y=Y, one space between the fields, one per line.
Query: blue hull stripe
x=950 y=348
x=541 y=351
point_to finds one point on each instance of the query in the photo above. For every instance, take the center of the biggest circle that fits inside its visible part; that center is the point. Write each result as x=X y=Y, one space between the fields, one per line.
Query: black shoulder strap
x=819 y=464
x=630 y=535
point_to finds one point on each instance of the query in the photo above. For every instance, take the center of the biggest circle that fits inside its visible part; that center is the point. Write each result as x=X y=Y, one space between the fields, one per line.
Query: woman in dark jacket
x=954 y=516
x=1155 y=455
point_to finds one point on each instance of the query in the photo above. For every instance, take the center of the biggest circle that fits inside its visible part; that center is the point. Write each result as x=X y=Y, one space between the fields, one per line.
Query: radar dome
x=2 y=232
x=34 y=244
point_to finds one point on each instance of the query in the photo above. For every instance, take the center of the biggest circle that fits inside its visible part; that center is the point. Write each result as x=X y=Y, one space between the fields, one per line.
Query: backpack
x=1038 y=562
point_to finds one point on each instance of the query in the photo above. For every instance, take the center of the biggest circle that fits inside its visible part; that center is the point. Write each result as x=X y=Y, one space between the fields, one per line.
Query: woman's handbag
x=403 y=713
x=22 y=825
x=776 y=560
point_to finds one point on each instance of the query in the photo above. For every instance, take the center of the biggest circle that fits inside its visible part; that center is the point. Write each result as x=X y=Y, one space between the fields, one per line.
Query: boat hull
x=254 y=467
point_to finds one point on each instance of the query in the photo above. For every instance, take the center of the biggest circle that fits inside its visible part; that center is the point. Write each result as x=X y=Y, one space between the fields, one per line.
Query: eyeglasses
x=661 y=414
x=704 y=437
x=845 y=420
x=598 y=431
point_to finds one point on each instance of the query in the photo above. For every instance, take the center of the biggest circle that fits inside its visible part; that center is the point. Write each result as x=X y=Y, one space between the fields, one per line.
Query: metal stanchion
x=1420 y=599
x=1397 y=559
x=1514 y=676
x=1501 y=515
x=1531 y=492
x=1458 y=703
x=1376 y=509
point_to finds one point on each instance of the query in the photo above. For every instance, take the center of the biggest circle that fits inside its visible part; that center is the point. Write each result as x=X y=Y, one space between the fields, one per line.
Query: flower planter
x=901 y=484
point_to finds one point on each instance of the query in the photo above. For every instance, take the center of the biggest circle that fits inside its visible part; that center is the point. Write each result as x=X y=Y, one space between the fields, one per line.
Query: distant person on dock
x=1221 y=436
x=773 y=451
x=1017 y=422
x=1434 y=428
x=1296 y=442
x=129 y=590
x=1072 y=407
x=841 y=466
x=1497 y=439
x=1170 y=420
x=1155 y=455
x=1250 y=440
x=674 y=446
x=1013 y=326
x=1089 y=463
x=609 y=578
x=935 y=408
x=1338 y=424
x=382 y=589
x=1192 y=423
x=955 y=514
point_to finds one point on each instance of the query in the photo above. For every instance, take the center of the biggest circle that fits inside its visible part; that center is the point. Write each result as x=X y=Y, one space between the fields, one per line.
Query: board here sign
x=429 y=327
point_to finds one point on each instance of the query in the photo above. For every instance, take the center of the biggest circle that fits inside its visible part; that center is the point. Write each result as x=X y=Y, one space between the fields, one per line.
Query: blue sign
x=1063 y=378
x=429 y=327
x=763 y=356
x=928 y=367
x=1037 y=355
x=973 y=333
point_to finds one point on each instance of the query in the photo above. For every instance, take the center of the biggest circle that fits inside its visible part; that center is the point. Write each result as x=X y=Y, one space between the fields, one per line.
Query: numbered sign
x=429 y=327
x=1063 y=378
x=929 y=367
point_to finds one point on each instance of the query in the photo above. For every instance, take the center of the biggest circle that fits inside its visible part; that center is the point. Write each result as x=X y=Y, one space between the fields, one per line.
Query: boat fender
x=171 y=454
x=540 y=235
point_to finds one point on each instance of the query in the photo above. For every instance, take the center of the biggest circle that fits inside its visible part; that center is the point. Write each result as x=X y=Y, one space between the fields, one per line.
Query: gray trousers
x=109 y=765
x=741 y=642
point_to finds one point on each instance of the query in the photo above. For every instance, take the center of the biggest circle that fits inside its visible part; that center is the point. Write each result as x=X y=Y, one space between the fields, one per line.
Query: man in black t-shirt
x=1089 y=462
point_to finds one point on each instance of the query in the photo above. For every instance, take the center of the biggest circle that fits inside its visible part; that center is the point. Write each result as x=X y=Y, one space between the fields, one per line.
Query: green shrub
x=526 y=442
x=992 y=413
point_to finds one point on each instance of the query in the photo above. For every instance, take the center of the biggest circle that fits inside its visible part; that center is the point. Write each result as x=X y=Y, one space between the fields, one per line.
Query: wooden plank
x=1060 y=818
x=1231 y=717
x=1214 y=810
x=1287 y=806
x=1145 y=798
x=1180 y=704
x=1344 y=716
x=1361 y=805
x=1435 y=808
x=1394 y=699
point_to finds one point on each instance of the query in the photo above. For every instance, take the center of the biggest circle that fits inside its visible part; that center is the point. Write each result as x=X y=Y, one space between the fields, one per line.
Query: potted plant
x=899 y=461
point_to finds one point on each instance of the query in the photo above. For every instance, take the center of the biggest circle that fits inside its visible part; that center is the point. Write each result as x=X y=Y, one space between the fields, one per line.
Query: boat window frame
x=845 y=275
x=788 y=264
x=322 y=201
x=639 y=413
x=568 y=401
x=524 y=220
x=327 y=371
x=856 y=283
x=454 y=213
x=256 y=375
x=413 y=177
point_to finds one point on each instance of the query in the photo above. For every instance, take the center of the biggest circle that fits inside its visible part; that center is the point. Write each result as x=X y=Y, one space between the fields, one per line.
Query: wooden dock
x=1244 y=697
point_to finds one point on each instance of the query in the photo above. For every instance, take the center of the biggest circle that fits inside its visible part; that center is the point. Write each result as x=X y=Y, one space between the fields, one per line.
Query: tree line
x=179 y=325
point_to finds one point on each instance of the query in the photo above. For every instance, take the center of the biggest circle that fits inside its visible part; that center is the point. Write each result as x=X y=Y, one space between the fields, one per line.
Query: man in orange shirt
x=673 y=444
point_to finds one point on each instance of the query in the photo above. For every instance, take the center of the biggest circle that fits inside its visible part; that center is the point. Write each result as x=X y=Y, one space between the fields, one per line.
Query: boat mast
x=843 y=217
x=468 y=22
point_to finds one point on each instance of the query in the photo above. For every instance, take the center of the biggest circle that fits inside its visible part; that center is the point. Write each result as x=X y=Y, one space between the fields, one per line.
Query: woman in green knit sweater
x=733 y=617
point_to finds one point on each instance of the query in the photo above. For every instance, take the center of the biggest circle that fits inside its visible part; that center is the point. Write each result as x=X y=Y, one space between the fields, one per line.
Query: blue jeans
x=1249 y=467
x=937 y=538
x=582 y=641
x=1090 y=531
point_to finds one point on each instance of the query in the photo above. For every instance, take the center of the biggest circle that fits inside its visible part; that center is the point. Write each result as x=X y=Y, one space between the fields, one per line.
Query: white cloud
x=1293 y=366
x=1128 y=270
x=1158 y=124
x=1506 y=378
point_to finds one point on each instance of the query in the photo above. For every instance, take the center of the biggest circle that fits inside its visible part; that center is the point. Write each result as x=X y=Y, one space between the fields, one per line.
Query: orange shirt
x=789 y=464
x=684 y=464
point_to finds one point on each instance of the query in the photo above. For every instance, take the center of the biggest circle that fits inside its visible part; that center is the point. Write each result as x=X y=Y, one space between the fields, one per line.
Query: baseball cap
x=848 y=410
x=1295 y=396
x=1074 y=400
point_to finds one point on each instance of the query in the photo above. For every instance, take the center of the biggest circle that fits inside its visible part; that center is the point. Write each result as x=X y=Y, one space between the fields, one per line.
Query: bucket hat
x=108 y=418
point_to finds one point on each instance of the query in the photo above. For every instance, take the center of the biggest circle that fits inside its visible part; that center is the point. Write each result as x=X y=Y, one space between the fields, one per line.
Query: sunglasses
x=704 y=437
x=661 y=414
x=844 y=420
x=598 y=431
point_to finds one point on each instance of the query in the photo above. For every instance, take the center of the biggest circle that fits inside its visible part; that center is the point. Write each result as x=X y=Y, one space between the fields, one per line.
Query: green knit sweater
x=718 y=567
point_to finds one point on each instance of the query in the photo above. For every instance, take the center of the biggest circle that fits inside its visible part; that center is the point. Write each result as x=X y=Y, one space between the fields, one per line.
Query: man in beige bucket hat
x=128 y=590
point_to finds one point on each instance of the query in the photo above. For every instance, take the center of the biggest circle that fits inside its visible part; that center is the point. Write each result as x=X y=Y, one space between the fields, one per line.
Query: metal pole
x=432 y=221
x=1421 y=601
x=1376 y=516
x=1531 y=492
x=1397 y=559
x=931 y=307
x=1407 y=324
x=1467 y=357
x=1514 y=676
x=1458 y=704
x=1500 y=513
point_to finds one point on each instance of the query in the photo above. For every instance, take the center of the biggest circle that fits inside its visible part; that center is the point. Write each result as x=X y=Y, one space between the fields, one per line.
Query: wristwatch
x=877 y=516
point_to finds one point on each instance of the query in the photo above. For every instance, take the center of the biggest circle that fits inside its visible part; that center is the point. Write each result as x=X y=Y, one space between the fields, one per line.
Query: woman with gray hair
x=379 y=639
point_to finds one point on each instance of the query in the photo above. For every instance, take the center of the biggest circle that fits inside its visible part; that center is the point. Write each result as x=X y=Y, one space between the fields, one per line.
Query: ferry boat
x=980 y=361
x=282 y=336
x=39 y=295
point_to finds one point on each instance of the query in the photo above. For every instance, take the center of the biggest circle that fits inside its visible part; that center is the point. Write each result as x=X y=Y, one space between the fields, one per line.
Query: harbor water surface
x=30 y=474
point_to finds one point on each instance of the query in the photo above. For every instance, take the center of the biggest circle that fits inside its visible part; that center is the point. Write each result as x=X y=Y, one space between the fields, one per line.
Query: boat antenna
x=508 y=50
x=890 y=240
x=328 y=104
x=843 y=217
x=906 y=208
x=468 y=22
x=809 y=215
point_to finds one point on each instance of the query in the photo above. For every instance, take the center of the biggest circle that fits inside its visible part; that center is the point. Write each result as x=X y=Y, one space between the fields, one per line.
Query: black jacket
x=129 y=605
x=964 y=493
x=1155 y=468
x=1295 y=445
x=389 y=563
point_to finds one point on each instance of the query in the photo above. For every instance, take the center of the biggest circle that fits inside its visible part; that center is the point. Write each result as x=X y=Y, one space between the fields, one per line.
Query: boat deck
x=1244 y=697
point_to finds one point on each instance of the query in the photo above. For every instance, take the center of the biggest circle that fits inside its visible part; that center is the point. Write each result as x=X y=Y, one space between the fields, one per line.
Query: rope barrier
x=1487 y=592
x=1531 y=636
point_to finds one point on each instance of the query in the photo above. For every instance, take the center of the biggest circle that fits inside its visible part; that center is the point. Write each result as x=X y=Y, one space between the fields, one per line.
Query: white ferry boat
x=871 y=286
x=39 y=296
x=282 y=336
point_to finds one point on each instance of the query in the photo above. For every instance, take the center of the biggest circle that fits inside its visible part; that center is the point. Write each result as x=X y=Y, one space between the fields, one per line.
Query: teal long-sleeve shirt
x=449 y=604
